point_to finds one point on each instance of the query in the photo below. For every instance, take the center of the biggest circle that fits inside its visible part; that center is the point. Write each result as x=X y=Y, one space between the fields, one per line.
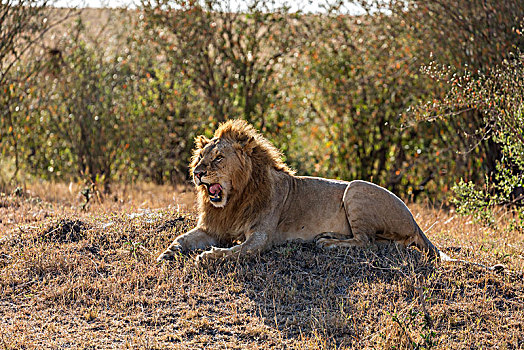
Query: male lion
x=247 y=193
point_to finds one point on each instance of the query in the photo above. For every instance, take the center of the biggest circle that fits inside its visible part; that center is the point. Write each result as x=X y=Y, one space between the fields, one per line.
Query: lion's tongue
x=213 y=189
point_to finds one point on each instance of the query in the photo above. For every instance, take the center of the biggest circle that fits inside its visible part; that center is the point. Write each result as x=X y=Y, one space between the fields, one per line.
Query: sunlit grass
x=101 y=288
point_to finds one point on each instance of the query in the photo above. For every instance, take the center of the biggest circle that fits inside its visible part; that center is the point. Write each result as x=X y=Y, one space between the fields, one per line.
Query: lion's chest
x=225 y=231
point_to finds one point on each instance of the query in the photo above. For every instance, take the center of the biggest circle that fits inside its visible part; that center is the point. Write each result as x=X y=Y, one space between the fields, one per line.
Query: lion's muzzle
x=199 y=174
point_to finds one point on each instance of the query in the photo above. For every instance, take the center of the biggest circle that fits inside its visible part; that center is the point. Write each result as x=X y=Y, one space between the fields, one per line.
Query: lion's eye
x=218 y=159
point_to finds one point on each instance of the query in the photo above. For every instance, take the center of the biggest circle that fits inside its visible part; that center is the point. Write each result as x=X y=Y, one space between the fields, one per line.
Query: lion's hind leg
x=332 y=239
x=378 y=215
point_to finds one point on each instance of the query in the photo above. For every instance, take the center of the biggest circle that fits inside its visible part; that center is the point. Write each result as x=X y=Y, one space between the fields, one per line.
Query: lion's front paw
x=326 y=243
x=330 y=240
x=170 y=253
x=211 y=254
x=202 y=258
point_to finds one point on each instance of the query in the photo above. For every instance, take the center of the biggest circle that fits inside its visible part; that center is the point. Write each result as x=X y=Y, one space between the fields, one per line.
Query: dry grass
x=73 y=279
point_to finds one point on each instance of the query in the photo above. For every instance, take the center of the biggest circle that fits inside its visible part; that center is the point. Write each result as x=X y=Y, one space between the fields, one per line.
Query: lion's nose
x=199 y=173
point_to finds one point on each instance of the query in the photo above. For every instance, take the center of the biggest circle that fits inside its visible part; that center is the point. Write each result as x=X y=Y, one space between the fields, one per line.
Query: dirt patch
x=66 y=230
x=169 y=224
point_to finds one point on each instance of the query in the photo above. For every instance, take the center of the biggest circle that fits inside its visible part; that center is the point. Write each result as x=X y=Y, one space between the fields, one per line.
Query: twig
x=410 y=341
x=422 y=301
x=429 y=228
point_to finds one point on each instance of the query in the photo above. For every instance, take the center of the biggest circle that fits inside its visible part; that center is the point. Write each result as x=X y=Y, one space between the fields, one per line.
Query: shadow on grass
x=303 y=290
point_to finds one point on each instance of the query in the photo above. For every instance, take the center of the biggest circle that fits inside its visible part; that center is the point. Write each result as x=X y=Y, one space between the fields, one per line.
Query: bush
x=234 y=60
x=102 y=113
x=327 y=88
x=22 y=26
x=499 y=96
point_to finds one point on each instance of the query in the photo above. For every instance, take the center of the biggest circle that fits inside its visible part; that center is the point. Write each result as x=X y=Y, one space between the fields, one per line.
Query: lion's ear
x=201 y=141
x=247 y=144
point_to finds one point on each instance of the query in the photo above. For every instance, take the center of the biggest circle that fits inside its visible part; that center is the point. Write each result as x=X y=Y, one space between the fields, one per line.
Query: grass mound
x=169 y=224
x=66 y=230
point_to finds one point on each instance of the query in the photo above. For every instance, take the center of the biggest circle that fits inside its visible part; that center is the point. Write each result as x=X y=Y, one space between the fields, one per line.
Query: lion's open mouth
x=215 y=192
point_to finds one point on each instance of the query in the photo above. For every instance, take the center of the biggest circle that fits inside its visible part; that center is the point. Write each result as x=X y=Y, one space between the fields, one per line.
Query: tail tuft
x=444 y=257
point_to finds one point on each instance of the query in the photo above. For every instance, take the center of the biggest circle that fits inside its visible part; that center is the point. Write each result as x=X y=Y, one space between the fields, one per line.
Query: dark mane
x=252 y=182
x=239 y=130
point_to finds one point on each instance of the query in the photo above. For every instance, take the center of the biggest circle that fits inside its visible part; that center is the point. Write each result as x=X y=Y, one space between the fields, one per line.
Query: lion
x=249 y=200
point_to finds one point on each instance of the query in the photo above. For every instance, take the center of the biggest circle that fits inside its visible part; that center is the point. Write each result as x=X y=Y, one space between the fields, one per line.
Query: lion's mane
x=250 y=177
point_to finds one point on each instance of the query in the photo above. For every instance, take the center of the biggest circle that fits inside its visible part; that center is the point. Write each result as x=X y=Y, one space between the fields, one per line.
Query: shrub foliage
x=336 y=91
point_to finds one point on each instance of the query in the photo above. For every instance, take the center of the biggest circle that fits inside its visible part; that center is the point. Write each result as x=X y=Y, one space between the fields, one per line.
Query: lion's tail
x=425 y=244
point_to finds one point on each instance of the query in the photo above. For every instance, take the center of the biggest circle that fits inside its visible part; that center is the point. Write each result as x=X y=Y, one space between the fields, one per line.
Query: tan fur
x=263 y=203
